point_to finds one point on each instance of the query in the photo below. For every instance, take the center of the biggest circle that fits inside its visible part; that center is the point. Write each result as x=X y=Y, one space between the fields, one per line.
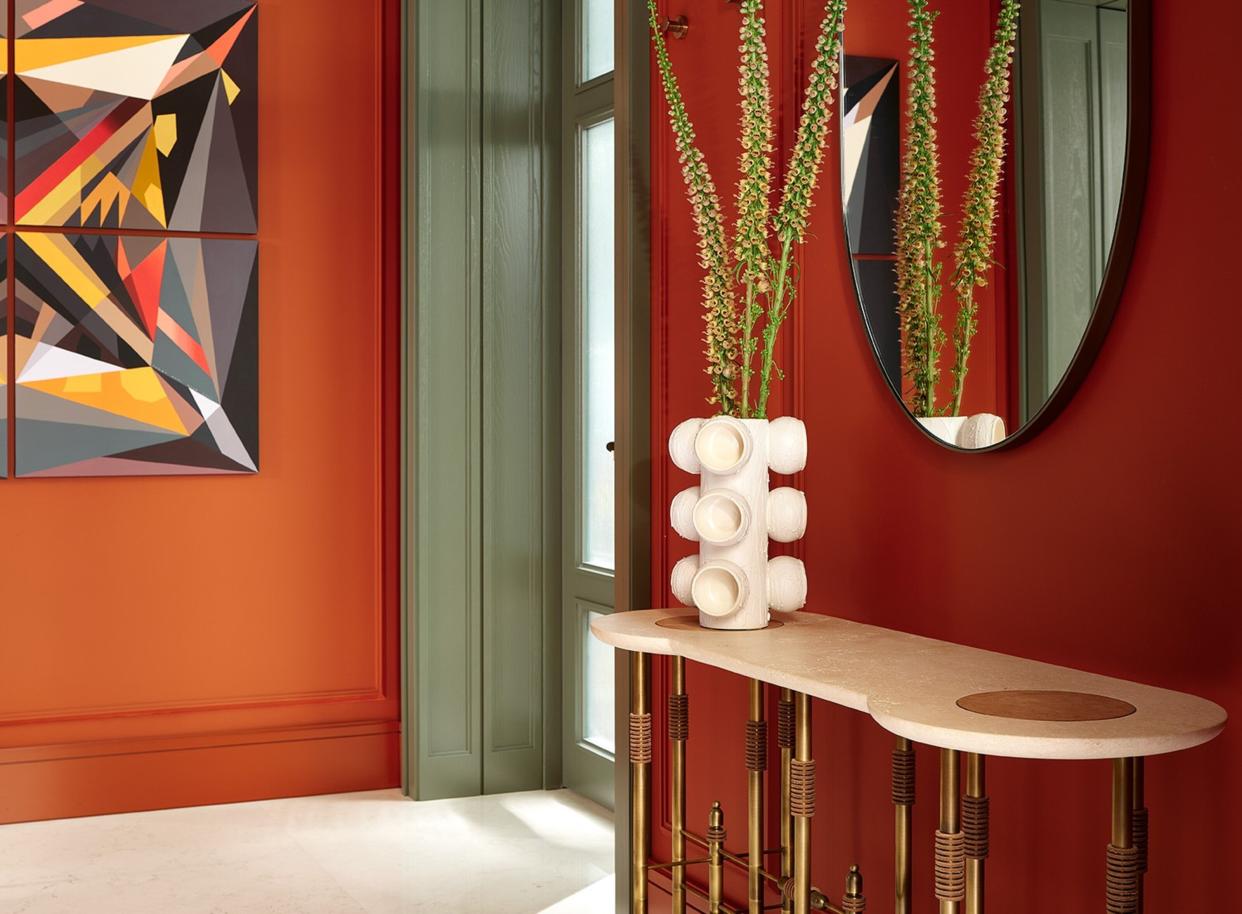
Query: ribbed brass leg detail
x=950 y=843
x=1122 y=892
x=756 y=764
x=853 y=901
x=678 y=733
x=715 y=859
x=975 y=830
x=903 y=812
x=802 y=803
x=640 y=779
x=785 y=731
x=1139 y=824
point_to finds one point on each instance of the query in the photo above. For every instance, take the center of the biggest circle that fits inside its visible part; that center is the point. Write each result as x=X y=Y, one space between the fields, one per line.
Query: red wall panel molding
x=1107 y=542
x=169 y=642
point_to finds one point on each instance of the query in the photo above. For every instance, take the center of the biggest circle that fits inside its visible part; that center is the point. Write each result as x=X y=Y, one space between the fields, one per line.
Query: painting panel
x=136 y=114
x=136 y=355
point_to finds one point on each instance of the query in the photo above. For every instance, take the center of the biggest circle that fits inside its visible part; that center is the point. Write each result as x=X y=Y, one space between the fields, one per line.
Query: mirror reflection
x=983 y=155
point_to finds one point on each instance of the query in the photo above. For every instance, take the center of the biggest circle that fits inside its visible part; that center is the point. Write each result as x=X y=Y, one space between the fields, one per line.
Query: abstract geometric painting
x=136 y=114
x=136 y=355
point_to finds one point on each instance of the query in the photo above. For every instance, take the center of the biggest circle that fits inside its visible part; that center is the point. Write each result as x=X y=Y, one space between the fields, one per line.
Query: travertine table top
x=911 y=685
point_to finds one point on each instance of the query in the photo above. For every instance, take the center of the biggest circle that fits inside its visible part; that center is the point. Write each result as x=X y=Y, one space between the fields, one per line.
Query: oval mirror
x=988 y=270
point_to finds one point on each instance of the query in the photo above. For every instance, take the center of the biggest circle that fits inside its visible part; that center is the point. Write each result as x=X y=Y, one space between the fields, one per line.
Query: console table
x=961 y=700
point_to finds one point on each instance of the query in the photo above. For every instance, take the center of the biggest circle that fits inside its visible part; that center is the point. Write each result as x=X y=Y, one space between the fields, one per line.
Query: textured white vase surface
x=732 y=514
x=969 y=432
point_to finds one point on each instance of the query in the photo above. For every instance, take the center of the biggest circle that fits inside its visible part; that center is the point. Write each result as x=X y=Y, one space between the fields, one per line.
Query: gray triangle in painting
x=227 y=207
x=229 y=266
x=187 y=217
x=46 y=445
x=225 y=435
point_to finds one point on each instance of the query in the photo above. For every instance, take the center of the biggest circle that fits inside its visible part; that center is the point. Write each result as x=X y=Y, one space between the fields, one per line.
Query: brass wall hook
x=677 y=26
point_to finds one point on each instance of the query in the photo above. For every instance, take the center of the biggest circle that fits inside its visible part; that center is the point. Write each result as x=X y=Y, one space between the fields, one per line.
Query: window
x=589 y=372
x=596 y=37
x=596 y=283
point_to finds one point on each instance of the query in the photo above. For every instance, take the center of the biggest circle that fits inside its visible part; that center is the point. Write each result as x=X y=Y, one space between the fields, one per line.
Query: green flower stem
x=777 y=310
x=748 y=348
x=930 y=323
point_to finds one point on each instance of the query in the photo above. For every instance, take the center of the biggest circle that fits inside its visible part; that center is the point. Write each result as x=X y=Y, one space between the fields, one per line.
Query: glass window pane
x=596 y=270
x=598 y=722
x=596 y=38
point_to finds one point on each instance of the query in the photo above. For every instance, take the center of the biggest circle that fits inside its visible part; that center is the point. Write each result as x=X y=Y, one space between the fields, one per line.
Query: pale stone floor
x=361 y=853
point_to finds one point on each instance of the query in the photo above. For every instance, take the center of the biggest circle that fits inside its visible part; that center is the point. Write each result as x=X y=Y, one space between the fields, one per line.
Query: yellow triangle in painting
x=135 y=394
x=231 y=89
x=147 y=185
x=165 y=133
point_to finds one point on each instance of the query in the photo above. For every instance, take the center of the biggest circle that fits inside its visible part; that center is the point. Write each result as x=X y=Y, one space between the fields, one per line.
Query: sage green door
x=588 y=369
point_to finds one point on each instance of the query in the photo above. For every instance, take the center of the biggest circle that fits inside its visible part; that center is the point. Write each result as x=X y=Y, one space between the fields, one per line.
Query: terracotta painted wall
x=1110 y=542
x=169 y=642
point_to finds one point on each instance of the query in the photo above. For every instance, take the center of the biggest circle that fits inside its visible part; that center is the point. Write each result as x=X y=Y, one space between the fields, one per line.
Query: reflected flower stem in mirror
x=919 y=226
x=973 y=253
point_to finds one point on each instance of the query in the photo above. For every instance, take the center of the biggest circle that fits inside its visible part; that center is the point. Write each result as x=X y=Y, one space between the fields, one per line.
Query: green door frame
x=632 y=585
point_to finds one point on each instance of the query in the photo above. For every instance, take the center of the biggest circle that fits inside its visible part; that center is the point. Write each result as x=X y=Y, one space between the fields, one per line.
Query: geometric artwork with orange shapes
x=136 y=114
x=136 y=355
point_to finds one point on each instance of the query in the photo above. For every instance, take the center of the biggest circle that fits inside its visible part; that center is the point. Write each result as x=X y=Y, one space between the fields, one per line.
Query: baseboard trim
x=219 y=768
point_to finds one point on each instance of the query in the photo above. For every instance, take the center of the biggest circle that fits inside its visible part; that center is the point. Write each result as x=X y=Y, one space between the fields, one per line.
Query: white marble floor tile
x=365 y=853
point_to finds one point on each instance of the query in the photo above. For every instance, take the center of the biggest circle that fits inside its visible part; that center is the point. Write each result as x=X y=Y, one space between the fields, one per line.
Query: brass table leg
x=1139 y=825
x=1122 y=892
x=640 y=779
x=975 y=830
x=756 y=764
x=903 y=812
x=950 y=848
x=802 y=803
x=785 y=738
x=678 y=733
x=715 y=859
x=852 y=899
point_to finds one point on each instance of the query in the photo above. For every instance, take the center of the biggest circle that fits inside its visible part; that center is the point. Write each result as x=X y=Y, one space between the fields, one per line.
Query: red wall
x=169 y=642
x=1110 y=542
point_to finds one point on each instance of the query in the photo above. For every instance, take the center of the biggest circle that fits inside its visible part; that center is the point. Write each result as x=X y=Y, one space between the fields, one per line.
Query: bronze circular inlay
x=690 y=623
x=1046 y=705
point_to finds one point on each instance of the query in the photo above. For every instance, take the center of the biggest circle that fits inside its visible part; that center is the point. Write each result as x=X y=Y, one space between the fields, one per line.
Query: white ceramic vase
x=969 y=432
x=732 y=514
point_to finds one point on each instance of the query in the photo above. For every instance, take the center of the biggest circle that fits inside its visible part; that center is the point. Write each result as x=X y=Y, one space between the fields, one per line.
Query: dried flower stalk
x=720 y=309
x=754 y=186
x=973 y=250
x=919 y=226
x=769 y=286
x=801 y=179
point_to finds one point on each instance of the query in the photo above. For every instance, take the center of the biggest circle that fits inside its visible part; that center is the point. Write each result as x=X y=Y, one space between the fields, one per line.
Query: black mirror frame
x=1121 y=254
